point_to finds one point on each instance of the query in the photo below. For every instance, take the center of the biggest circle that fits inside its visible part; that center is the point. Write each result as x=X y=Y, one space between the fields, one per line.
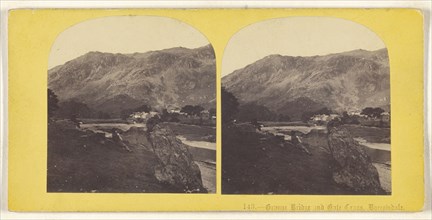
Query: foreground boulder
x=355 y=169
x=137 y=136
x=177 y=166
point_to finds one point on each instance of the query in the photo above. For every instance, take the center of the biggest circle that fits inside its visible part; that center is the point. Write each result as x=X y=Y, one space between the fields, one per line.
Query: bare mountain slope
x=291 y=85
x=112 y=82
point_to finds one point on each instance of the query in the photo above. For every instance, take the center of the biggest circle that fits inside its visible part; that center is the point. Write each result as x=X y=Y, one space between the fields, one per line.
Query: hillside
x=291 y=85
x=111 y=82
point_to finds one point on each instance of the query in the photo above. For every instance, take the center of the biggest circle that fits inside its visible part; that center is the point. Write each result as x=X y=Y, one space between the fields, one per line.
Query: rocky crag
x=176 y=165
x=355 y=170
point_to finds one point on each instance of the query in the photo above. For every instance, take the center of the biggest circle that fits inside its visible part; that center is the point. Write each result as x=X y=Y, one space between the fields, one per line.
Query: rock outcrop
x=356 y=170
x=137 y=136
x=177 y=166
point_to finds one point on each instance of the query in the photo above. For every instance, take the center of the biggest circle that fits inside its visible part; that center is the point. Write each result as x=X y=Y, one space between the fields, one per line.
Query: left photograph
x=131 y=108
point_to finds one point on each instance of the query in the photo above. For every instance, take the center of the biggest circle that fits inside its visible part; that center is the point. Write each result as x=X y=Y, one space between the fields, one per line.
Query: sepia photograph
x=306 y=109
x=201 y=110
x=131 y=108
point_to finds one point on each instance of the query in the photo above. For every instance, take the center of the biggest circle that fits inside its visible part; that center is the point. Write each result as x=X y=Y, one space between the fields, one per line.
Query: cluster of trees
x=192 y=109
x=347 y=119
x=169 y=117
x=230 y=106
x=372 y=112
x=52 y=103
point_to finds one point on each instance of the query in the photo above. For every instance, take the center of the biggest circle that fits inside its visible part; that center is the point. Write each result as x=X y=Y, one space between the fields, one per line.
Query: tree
x=192 y=109
x=323 y=111
x=143 y=108
x=166 y=116
x=348 y=119
x=230 y=106
x=372 y=112
x=197 y=109
x=212 y=112
x=125 y=113
x=306 y=116
x=52 y=103
x=188 y=109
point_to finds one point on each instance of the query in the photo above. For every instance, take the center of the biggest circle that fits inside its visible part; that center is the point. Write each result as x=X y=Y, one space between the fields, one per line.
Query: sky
x=297 y=36
x=123 y=34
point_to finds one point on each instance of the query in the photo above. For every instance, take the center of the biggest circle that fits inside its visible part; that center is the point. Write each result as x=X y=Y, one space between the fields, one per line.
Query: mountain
x=112 y=82
x=290 y=85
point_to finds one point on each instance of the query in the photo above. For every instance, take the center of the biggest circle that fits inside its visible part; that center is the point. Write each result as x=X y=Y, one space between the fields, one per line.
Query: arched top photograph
x=131 y=107
x=304 y=96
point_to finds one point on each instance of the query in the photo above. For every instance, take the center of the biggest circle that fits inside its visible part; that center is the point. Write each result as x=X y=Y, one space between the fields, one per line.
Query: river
x=106 y=127
x=378 y=146
x=199 y=144
x=285 y=130
x=204 y=154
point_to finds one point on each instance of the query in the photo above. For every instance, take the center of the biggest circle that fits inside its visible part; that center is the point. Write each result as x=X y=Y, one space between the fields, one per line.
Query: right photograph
x=306 y=109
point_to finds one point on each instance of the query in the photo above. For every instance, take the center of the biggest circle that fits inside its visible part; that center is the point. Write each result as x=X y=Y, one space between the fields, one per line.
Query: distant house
x=357 y=114
x=143 y=115
x=324 y=117
x=138 y=115
x=204 y=114
x=174 y=110
x=333 y=116
x=352 y=113
x=152 y=114
x=385 y=116
x=320 y=118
